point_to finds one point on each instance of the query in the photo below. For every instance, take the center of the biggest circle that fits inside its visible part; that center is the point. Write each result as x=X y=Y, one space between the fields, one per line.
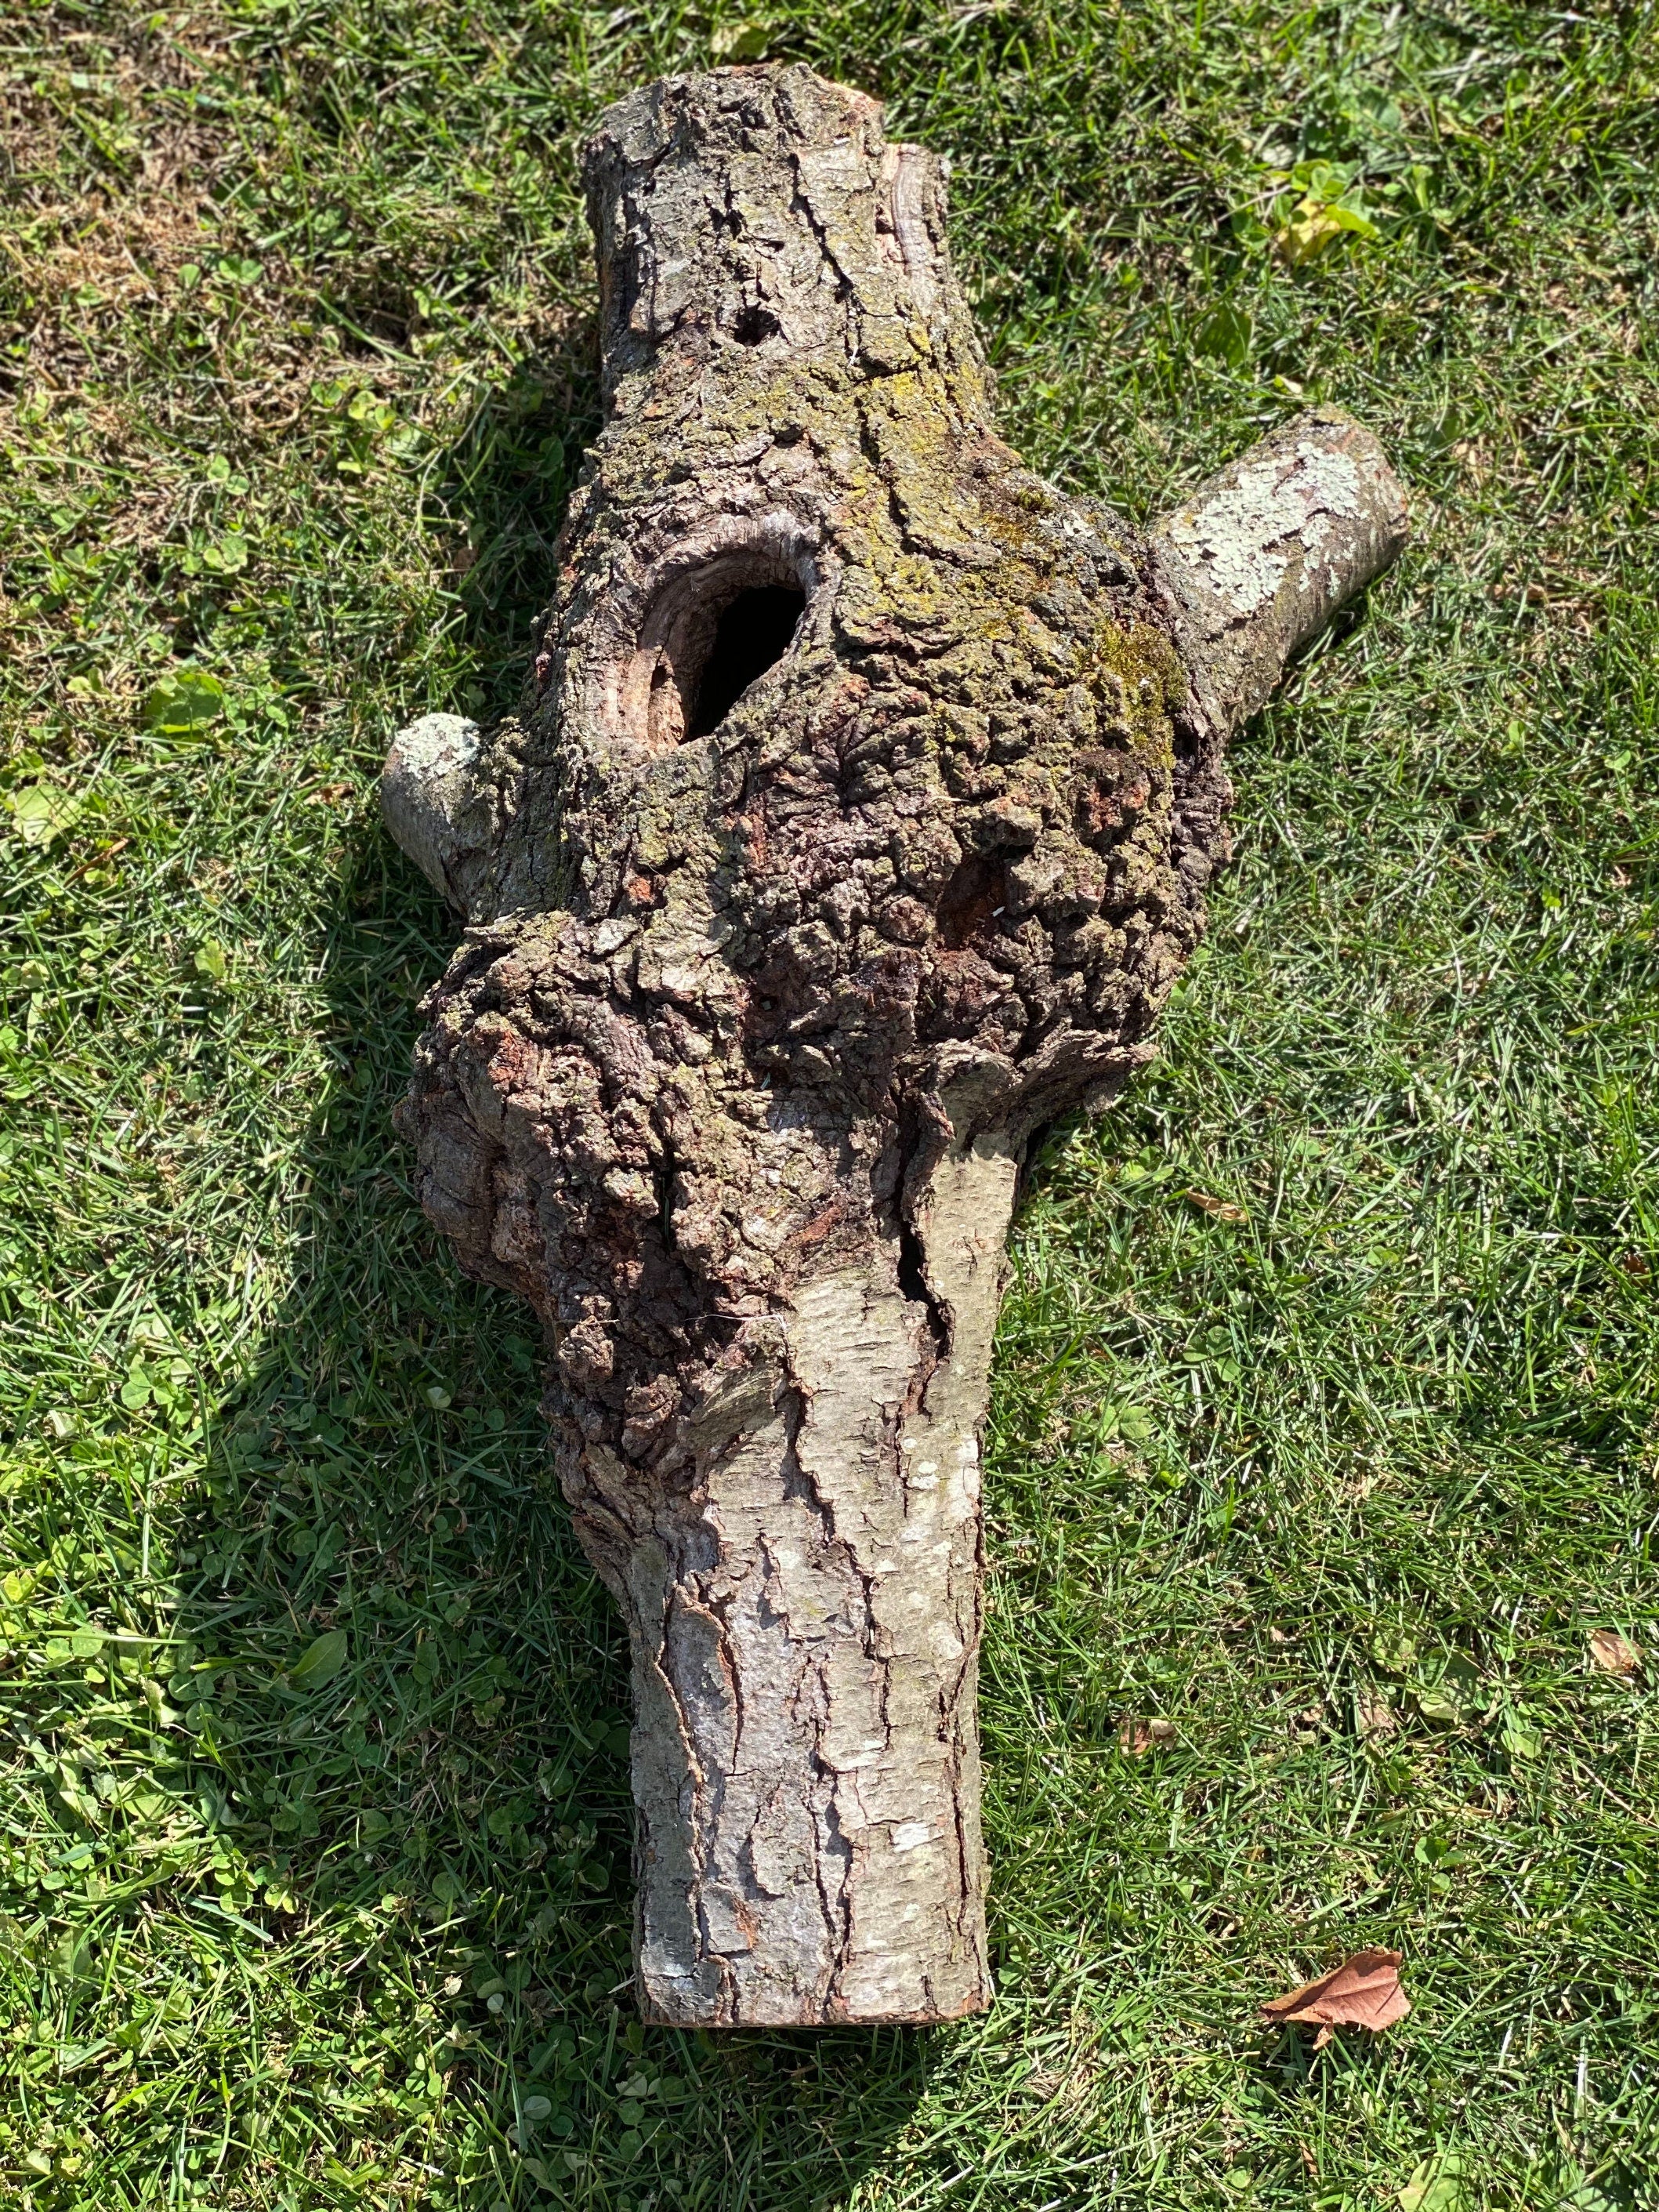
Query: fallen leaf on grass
x=1138 y=1737
x=1314 y=226
x=1613 y=1654
x=1441 y=1704
x=41 y=812
x=1374 y=1716
x=1222 y=1208
x=1520 y=1739
x=1436 y=2186
x=1363 y=1991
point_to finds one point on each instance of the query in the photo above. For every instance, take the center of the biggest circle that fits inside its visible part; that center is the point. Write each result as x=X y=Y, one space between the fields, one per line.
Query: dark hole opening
x=751 y=637
x=969 y=903
x=754 y=325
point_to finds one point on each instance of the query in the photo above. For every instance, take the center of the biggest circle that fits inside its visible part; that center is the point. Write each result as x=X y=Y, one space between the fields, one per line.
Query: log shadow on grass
x=500 y=494
x=405 y=1692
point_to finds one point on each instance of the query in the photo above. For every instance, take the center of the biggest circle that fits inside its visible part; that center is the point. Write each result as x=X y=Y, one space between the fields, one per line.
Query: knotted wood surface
x=858 y=825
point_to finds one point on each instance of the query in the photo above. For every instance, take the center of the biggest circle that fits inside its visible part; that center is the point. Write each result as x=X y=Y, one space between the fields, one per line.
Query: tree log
x=856 y=825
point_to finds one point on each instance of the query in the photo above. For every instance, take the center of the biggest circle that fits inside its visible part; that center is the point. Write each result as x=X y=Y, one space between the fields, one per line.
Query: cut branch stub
x=857 y=825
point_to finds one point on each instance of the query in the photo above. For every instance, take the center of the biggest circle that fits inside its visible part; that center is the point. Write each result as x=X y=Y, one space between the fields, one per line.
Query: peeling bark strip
x=857 y=826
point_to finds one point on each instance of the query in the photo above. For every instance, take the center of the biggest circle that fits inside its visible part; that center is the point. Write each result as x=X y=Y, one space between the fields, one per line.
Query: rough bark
x=858 y=825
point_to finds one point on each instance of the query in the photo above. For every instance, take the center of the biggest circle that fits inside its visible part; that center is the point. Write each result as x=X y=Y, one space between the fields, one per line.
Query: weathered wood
x=857 y=826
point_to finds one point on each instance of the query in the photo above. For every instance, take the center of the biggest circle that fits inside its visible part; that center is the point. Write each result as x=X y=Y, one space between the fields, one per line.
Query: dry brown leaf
x=1138 y=1737
x=1222 y=1208
x=1363 y=1991
x=1614 y=1654
x=1373 y=1715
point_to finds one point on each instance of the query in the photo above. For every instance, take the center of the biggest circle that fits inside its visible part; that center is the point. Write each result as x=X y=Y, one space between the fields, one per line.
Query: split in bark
x=857 y=826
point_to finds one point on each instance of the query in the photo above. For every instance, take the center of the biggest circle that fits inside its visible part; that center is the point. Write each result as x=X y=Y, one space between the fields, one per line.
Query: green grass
x=297 y=339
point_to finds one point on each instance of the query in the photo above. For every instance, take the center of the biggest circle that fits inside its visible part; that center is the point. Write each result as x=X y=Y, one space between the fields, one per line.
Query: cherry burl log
x=857 y=824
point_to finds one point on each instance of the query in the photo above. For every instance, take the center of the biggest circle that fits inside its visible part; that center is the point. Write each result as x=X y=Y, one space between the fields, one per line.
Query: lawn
x=1324 y=1427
